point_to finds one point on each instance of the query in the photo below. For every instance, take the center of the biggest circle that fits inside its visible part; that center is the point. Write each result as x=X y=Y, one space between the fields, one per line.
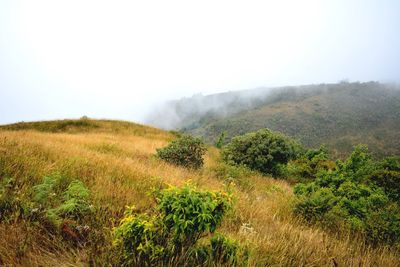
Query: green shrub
x=388 y=177
x=349 y=195
x=265 y=151
x=169 y=237
x=221 y=140
x=186 y=151
x=224 y=250
x=306 y=167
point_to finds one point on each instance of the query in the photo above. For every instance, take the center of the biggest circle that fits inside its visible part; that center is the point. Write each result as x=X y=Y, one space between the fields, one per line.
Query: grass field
x=116 y=161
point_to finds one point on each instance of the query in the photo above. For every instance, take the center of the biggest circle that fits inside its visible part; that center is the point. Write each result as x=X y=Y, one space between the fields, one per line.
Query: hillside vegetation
x=338 y=115
x=65 y=186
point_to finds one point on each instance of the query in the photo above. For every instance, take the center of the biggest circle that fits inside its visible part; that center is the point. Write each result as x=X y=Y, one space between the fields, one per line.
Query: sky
x=119 y=59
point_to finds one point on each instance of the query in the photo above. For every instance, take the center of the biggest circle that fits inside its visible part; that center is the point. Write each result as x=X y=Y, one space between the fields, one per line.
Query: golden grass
x=116 y=161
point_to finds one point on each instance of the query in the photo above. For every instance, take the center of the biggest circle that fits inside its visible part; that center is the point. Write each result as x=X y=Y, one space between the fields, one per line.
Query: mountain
x=115 y=161
x=338 y=115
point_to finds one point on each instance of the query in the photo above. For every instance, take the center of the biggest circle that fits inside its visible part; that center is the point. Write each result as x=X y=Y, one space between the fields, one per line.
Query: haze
x=119 y=59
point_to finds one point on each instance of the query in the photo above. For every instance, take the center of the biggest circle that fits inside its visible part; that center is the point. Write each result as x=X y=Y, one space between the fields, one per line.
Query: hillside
x=115 y=160
x=338 y=115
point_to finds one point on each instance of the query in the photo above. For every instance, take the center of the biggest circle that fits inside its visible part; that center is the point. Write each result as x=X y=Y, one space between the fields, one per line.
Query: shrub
x=186 y=151
x=388 y=177
x=169 y=237
x=264 y=151
x=349 y=195
x=306 y=167
x=224 y=250
x=221 y=139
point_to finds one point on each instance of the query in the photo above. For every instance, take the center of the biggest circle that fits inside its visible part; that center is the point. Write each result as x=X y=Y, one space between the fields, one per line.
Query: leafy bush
x=264 y=151
x=349 y=195
x=388 y=177
x=306 y=167
x=182 y=217
x=186 y=151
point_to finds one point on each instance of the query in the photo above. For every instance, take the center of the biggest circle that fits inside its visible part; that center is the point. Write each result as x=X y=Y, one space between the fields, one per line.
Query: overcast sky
x=115 y=59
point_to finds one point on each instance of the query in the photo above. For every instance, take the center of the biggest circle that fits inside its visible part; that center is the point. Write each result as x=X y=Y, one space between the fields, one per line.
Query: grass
x=116 y=161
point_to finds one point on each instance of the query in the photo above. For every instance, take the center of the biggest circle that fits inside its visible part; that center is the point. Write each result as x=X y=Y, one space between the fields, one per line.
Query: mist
x=124 y=60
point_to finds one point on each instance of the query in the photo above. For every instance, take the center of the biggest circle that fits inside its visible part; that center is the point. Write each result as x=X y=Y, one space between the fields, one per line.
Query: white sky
x=115 y=59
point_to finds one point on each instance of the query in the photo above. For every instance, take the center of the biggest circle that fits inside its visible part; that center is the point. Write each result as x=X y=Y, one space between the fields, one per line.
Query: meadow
x=116 y=161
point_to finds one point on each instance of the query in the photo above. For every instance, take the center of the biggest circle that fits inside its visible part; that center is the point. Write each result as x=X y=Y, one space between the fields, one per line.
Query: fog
x=124 y=59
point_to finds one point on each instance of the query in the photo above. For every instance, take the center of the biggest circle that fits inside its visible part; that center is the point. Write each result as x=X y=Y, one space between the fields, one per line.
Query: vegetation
x=339 y=115
x=264 y=151
x=306 y=166
x=115 y=165
x=349 y=196
x=186 y=151
x=170 y=236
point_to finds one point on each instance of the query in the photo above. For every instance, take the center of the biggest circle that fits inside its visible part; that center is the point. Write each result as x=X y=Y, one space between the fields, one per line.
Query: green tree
x=186 y=151
x=265 y=151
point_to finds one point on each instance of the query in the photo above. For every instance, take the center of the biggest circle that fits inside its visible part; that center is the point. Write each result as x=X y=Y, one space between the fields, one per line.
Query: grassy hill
x=338 y=115
x=115 y=161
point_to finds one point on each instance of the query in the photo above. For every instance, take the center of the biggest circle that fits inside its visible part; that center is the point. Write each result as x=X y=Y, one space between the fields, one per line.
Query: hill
x=338 y=115
x=115 y=161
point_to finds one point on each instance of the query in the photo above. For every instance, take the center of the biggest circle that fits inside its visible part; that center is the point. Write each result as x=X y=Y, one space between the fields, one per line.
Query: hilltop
x=115 y=161
x=339 y=115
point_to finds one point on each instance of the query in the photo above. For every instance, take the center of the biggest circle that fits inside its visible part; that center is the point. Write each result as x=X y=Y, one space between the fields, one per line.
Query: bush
x=306 y=167
x=264 y=151
x=186 y=151
x=388 y=177
x=221 y=140
x=349 y=195
x=169 y=237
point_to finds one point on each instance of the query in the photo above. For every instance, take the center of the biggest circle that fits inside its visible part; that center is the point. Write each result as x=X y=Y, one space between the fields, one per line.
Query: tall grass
x=116 y=161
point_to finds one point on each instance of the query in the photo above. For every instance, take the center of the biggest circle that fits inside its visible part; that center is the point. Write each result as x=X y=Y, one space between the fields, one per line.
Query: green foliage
x=186 y=151
x=221 y=140
x=306 y=167
x=265 y=151
x=350 y=195
x=169 y=237
x=225 y=250
x=59 y=199
x=388 y=177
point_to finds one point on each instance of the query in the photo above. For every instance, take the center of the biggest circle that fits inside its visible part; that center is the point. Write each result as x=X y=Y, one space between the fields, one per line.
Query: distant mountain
x=338 y=115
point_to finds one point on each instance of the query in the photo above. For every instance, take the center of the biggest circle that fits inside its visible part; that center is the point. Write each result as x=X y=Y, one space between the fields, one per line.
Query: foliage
x=306 y=167
x=59 y=199
x=348 y=195
x=265 y=151
x=388 y=177
x=221 y=140
x=186 y=151
x=182 y=217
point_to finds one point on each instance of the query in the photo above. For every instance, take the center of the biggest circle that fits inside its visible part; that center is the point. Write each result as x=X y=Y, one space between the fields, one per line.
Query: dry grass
x=116 y=161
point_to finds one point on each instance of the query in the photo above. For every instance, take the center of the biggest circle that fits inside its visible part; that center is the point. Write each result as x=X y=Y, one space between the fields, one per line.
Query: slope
x=115 y=161
x=338 y=115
